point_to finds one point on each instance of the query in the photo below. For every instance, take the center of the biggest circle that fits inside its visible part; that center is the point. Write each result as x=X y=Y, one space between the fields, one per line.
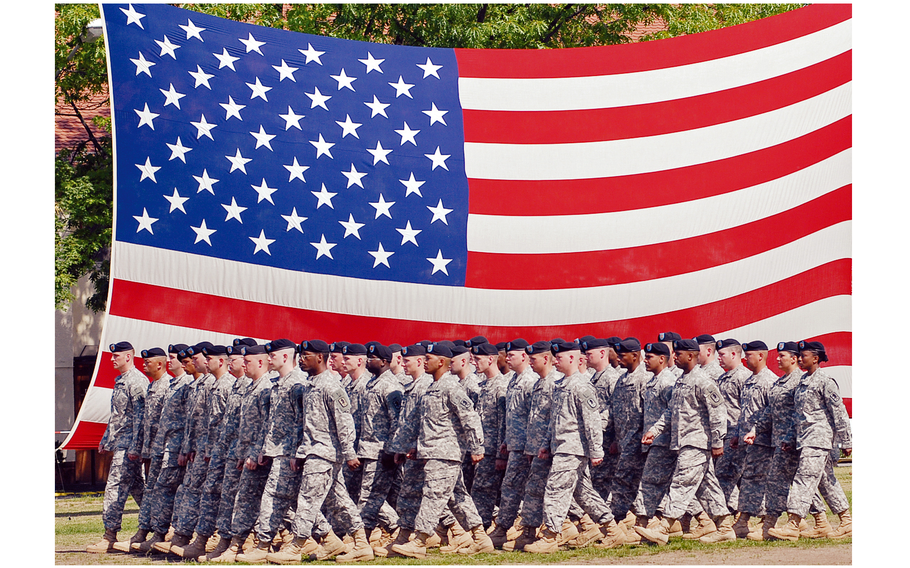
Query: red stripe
x=106 y=372
x=593 y=125
x=838 y=347
x=645 y=56
x=636 y=264
x=86 y=436
x=848 y=402
x=514 y=198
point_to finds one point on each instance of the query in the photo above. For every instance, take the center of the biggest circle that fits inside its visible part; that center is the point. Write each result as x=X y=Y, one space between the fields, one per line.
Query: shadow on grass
x=93 y=513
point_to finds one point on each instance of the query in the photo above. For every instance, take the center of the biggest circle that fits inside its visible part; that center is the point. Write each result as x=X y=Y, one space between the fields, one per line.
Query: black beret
x=395 y=348
x=416 y=350
x=668 y=336
x=120 y=346
x=755 y=346
x=814 y=346
x=538 y=347
x=338 y=346
x=685 y=345
x=198 y=348
x=243 y=341
x=657 y=349
x=704 y=339
x=446 y=342
x=381 y=351
x=253 y=350
x=280 y=344
x=153 y=352
x=595 y=343
x=460 y=343
x=563 y=346
x=477 y=340
x=501 y=346
x=725 y=343
x=517 y=345
x=485 y=349
x=314 y=346
x=214 y=350
x=628 y=345
x=612 y=341
x=439 y=349
x=460 y=350
x=177 y=347
x=355 y=349
x=790 y=346
x=236 y=349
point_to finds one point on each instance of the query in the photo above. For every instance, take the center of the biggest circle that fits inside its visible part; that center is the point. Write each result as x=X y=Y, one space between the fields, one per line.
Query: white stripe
x=843 y=376
x=643 y=87
x=153 y=334
x=421 y=302
x=96 y=407
x=829 y=315
x=625 y=229
x=610 y=158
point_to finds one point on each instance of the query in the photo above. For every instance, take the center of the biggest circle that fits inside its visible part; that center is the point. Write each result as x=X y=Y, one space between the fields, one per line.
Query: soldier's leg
x=186 y=505
x=439 y=484
x=752 y=482
x=809 y=472
x=655 y=478
x=123 y=475
x=485 y=493
x=462 y=505
x=691 y=466
x=281 y=488
x=249 y=498
x=229 y=486
x=709 y=492
x=729 y=468
x=513 y=488
x=210 y=499
x=535 y=487
x=145 y=510
x=169 y=481
x=830 y=487
x=318 y=479
x=410 y=494
x=374 y=488
x=626 y=479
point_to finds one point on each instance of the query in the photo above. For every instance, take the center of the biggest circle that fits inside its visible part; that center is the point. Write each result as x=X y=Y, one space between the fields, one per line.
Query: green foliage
x=684 y=19
x=82 y=72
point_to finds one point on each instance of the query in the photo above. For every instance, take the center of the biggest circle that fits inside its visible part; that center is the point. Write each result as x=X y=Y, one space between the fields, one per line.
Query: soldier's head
x=122 y=354
x=787 y=355
x=198 y=356
x=216 y=359
x=379 y=358
x=336 y=356
x=756 y=355
x=811 y=355
x=667 y=338
x=729 y=354
x=255 y=361
x=439 y=360
x=397 y=364
x=502 y=359
x=484 y=357
x=355 y=359
x=706 y=348
x=541 y=357
x=282 y=355
x=657 y=357
x=613 y=356
x=314 y=356
x=567 y=355
x=629 y=353
x=686 y=354
x=597 y=353
x=176 y=356
x=154 y=362
x=461 y=361
x=414 y=357
x=516 y=356
x=235 y=357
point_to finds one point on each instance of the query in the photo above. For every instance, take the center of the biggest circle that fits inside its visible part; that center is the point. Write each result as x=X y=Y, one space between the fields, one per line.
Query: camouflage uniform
x=574 y=437
x=229 y=441
x=123 y=436
x=214 y=475
x=538 y=425
x=518 y=401
x=729 y=466
x=602 y=475
x=713 y=370
x=491 y=407
x=821 y=418
x=154 y=400
x=627 y=416
x=471 y=385
x=661 y=460
x=254 y=423
x=354 y=389
x=186 y=504
x=697 y=422
x=755 y=401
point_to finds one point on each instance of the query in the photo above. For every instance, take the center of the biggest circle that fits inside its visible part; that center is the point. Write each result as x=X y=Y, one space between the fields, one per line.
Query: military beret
x=355 y=349
x=477 y=340
x=416 y=350
x=685 y=345
x=243 y=341
x=279 y=345
x=725 y=343
x=668 y=336
x=381 y=351
x=368 y=344
x=425 y=342
x=214 y=350
x=657 y=349
x=563 y=346
x=236 y=349
x=197 y=349
x=538 y=347
x=120 y=346
x=484 y=349
x=517 y=345
x=253 y=350
x=790 y=346
x=395 y=348
x=594 y=343
x=338 y=346
x=704 y=339
x=612 y=341
x=153 y=352
x=755 y=346
x=439 y=349
x=584 y=338
x=314 y=346
x=460 y=350
x=177 y=348
x=814 y=346
x=501 y=346
x=446 y=342
x=460 y=343
x=628 y=345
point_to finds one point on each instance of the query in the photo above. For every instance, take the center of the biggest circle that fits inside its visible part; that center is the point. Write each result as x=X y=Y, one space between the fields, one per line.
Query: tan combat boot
x=229 y=555
x=845 y=528
x=612 y=535
x=516 y=529
x=724 y=532
x=213 y=542
x=105 y=545
x=659 y=534
x=146 y=546
x=676 y=529
x=192 y=551
x=527 y=536
x=403 y=536
x=258 y=555
x=222 y=545
x=362 y=550
x=790 y=531
x=546 y=544
x=124 y=545
x=330 y=547
x=438 y=538
x=414 y=548
x=569 y=532
x=588 y=532
x=631 y=536
x=705 y=526
x=480 y=542
x=458 y=538
x=499 y=536
x=741 y=526
x=822 y=527
x=178 y=539
x=291 y=554
x=761 y=531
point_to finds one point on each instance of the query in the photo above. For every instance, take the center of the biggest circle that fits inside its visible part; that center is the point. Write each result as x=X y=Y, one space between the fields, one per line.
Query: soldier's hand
x=475 y=458
x=190 y=457
x=354 y=463
x=647 y=439
x=400 y=458
x=614 y=448
x=207 y=458
x=717 y=452
x=132 y=457
x=785 y=447
x=501 y=464
x=263 y=460
x=596 y=461
x=846 y=451
x=387 y=460
x=503 y=449
x=250 y=464
x=734 y=442
x=239 y=465
x=543 y=454
x=749 y=438
x=412 y=454
x=181 y=460
x=101 y=449
x=296 y=464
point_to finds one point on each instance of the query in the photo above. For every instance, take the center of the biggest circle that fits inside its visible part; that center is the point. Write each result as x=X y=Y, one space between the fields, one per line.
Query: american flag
x=275 y=184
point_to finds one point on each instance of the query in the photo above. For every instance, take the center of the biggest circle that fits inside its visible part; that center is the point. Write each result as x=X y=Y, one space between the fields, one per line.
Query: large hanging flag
x=274 y=184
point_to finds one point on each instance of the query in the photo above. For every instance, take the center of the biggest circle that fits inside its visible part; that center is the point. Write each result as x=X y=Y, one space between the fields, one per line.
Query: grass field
x=78 y=524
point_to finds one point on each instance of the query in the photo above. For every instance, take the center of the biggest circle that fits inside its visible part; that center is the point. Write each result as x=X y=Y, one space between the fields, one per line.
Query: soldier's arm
x=463 y=408
x=589 y=423
x=838 y=412
x=339 y=407
x=137 y=397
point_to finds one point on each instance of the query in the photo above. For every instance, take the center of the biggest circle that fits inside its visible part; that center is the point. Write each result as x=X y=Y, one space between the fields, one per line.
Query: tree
x=83 y=192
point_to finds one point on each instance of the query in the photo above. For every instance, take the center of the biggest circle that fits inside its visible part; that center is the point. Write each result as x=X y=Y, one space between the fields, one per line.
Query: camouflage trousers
x=754 y=477
x=411 y=493
x=186 y=503
x=815 y=472
x=229 y=485
x=777 y=486
x=246 y=503
x=443 y=486
x=123 y=480
x=656 y=476
x=210 y=499
x=535 y=487
x=375 y=485
x=167 y=484
x=694 y=478
x=486 y=488
x=729 y=468
x=602 y=475
x=570 y=478
x=279 y=498
x=513 y=488
x=322 y=483
x=148 y=494
x=626 y=479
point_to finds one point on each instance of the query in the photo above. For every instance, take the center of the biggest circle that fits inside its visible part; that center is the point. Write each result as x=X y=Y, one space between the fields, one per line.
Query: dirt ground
x=834 y=555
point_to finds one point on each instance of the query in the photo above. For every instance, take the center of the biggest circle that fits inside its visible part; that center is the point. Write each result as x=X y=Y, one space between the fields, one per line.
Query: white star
x=351 y=227
x=436 y=115
x=202 y=78
x=176 y=201
x=233 y=211
x=439 y=213
x=354 y=176
x=372 y=64
x=133 y=17
x=146 y=117
x=238 y=162
x=379 y=153
x=324 y=197
x=381 y=256
x=402 y=88
x=205 y=182
x=348 y=127
x=382 y=207
x=168 y=48
x=323 y=248
x=259 y=90
x=438 y=159
x=291 y=119
x=296 y=170
x=145 y=222
x=142 y=66
x=344 y=81
x=318 y=99
x=262 y=243
x=252 y=45
x=192 y=31
x=311 y=54
x=148 y=170
x=171 y=96
x=412 y=185
x=178 y=150
x=203 y=233
x=285 y=71
x=408 y=234
x=294 y=221
x=225 y=59
x=265 y=192
x=429 y=69
x=232 y=109
x=407 y=135
x=377 y=107
x=440 y=263
x=203 y=128
x=263 y=138
x=322 y=147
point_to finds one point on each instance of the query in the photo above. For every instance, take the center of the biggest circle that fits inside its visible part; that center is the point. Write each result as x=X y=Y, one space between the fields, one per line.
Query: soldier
x=574 y=443
x=729 y=466
x=463 y=370
x=354 y=365
x=697 y=423
x=707 y=356
x=122 y=437
x=443 y=411
x=667 y=338
x=759 y=451
x=598 y=353
x=336 y=362
x=502 y=361
x=397 y=365
x=821 y=420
